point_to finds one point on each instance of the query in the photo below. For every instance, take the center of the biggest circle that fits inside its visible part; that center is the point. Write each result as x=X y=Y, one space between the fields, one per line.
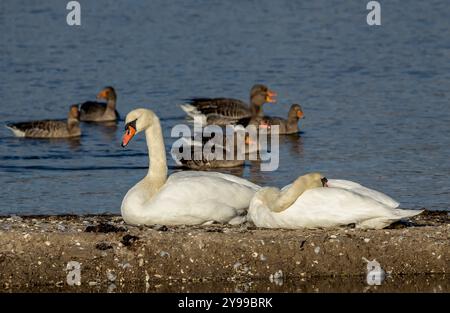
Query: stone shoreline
x=35 y=251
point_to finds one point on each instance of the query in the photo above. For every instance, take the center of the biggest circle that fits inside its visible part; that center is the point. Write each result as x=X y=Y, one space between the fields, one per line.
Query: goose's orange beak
x=130 y=131
x=270 y=97
x=300 y=114
x=102 y=95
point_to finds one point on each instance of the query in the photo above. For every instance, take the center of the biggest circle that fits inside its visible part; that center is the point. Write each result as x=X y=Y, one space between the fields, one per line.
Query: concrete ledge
x=34 y=252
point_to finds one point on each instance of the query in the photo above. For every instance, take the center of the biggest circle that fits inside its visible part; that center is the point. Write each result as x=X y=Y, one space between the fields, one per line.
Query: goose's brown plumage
x=92 y=111
x=286 y=126
x=224 y=111
x=49 y=128
x=209 y=160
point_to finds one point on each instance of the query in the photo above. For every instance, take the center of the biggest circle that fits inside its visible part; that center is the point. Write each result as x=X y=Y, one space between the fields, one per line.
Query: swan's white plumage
x=342 y=203
x=185 y=197
x=359 y=189
x=190 y=198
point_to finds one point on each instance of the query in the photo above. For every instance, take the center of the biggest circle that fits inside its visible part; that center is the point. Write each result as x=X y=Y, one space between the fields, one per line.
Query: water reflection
x=437 y=283
x=107 y=130
x=294 y=142
x=359 y=113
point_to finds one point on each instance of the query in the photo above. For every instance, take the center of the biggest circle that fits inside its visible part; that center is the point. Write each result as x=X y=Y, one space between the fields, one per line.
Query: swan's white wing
x=191 y=198
x=359 y=189
x=194 y=199
x=328 y=207
x=212 y=175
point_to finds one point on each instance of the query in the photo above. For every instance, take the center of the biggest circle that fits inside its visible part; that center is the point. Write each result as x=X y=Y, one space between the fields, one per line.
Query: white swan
x=312 y=202
x=185 y=197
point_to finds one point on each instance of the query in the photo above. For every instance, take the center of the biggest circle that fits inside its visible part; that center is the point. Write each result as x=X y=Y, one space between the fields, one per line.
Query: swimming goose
x=185 y=197
x=224 y=111
x=92 y=111
x=312 y=201
x=207 y=148
x=285 y=126
x=49 y=128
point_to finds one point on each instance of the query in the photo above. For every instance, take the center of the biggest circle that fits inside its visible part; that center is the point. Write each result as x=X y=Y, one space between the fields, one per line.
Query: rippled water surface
x=376 y=99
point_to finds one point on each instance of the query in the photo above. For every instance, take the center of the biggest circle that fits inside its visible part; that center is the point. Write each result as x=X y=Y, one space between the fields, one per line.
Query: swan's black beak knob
x=130 y=131
x=324 y=182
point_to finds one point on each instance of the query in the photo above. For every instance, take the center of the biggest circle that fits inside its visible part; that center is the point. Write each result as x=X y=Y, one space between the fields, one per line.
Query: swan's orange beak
x=300 y=114
x=270 y=97
x=102 y=94
x=130 y=131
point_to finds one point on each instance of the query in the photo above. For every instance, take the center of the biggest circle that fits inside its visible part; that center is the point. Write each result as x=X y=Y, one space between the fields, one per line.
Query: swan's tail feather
x=384 y=221
x=407 y=213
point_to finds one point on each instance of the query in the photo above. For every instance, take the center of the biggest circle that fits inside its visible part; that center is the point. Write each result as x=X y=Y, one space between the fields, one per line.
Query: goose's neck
x=256 y=110
x=157 y=172
x=111 y=104
x=72 y=123
x=292 y=119
x=292 y=123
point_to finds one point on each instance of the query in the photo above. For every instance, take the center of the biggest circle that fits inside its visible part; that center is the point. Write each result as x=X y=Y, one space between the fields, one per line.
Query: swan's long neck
x=157 y=171
x=287 y=197
x=135 y=206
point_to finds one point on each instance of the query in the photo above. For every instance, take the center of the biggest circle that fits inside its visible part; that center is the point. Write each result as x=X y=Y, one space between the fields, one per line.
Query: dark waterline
x=436 y=283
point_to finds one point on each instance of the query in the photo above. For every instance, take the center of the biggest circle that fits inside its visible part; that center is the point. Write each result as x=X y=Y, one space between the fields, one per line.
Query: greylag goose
x=209 y=160
x=286 y=126
x=224 y=111
x=49 y=128
x=92 y=111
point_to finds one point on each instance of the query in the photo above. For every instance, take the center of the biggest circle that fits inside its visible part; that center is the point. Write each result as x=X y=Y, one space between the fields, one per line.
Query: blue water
x=376 y=99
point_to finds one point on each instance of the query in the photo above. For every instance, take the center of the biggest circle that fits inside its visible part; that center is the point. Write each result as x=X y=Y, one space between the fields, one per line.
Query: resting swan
x=185 y=197
x=312 y=201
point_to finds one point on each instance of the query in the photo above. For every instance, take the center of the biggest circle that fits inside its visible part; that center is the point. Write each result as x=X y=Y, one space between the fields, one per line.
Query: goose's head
x=296 y=112
x=107 y=93
x=74 y=113
x=135 y=122
x=260 y=94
